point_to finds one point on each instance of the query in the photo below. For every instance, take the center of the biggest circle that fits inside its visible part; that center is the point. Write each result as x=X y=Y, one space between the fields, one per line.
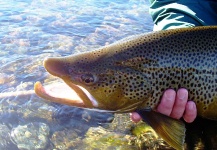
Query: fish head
x=101 y=81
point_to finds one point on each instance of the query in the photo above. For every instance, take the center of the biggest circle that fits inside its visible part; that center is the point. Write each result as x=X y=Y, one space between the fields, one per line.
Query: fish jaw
x=53 y=95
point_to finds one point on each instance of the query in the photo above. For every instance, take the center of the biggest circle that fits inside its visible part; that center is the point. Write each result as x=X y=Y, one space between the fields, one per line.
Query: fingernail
x=190 y=106
x=169 y=95
x=181 y=94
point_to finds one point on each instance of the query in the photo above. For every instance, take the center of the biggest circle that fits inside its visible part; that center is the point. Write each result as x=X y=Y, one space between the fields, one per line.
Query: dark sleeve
x=168 y=14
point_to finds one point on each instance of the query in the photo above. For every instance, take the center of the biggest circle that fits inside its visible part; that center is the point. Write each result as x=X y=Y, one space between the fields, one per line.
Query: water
x=31 y=30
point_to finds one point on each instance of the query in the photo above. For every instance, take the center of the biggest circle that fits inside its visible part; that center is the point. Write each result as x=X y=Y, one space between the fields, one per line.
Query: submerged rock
x=32 y=136
x=5 y=141
x=121 y=123
x=146 y=138
x=122 y=133
x=66 y=139
x=100 y=138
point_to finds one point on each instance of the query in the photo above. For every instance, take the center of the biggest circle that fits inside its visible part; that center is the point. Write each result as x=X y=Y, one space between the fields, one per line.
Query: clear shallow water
x=31 y=30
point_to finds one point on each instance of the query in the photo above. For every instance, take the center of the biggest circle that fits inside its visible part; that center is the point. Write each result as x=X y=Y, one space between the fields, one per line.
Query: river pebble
x=32 y=136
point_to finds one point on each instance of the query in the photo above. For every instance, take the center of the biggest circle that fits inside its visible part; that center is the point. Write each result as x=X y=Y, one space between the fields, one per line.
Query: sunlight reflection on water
x=32 y=30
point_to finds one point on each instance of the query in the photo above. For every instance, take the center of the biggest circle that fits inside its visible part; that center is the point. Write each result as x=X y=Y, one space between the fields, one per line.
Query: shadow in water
x=201 y=134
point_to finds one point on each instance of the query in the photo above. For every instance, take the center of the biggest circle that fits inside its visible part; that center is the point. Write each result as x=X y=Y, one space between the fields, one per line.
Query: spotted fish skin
x=184 y=58
x=141 y=67
x=133 y=73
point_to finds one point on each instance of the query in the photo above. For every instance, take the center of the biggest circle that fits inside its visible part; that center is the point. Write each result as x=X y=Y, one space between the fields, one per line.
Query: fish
x=131 y=75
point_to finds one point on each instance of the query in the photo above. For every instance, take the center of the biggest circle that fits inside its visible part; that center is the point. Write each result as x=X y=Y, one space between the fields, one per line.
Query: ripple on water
x=33 y=30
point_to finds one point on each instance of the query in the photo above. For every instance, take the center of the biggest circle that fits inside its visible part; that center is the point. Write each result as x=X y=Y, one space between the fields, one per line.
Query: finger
x=135 y=117
x=190 y=112
x=180 y=103
x=167 y=102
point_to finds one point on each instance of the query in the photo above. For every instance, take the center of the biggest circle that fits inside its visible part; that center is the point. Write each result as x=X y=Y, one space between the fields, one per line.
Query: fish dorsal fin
x=171 y=130
x=138 y=63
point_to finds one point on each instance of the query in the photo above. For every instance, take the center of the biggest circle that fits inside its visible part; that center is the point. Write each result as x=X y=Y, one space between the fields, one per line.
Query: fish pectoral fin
x=129 y=108
x=170 y=130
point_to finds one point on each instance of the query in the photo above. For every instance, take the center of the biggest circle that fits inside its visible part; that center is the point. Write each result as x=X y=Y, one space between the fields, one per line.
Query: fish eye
x=88 y=79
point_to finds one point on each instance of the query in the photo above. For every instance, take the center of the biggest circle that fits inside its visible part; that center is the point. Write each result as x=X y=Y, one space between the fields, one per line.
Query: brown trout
x=132 y=74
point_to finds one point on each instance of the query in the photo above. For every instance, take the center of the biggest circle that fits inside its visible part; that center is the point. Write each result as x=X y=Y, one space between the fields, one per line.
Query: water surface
x=31 y=30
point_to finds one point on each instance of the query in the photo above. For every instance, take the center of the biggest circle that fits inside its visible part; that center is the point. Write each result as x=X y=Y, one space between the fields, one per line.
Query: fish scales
x=186 y=59
x=141 y=67
x=149 y=64
x=132 y=73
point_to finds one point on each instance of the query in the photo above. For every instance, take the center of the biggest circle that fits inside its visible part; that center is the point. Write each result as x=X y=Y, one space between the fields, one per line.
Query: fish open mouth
x=72 y=95
x=63 y=94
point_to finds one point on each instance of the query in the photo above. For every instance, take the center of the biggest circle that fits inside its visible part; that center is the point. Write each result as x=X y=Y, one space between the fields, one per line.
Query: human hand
x=175 y=105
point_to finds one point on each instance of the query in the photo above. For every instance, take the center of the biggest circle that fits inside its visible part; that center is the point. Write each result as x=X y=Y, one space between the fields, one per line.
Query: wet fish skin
x=141 y=67
x=132 y=73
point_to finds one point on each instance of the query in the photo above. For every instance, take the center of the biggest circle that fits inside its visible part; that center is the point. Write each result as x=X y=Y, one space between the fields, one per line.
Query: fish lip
x=42 y=92
x=86 y=99
x=91 y=97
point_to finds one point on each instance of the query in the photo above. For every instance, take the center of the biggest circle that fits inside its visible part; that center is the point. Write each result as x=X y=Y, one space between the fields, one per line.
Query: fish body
x=131 y=74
